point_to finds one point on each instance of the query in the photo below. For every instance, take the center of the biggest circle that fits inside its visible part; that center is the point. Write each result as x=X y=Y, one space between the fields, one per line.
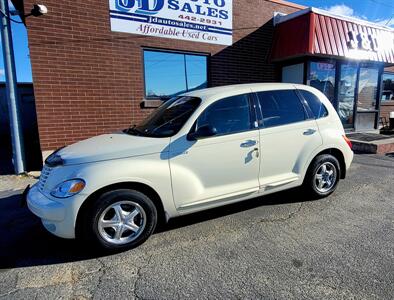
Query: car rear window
x=317 y=107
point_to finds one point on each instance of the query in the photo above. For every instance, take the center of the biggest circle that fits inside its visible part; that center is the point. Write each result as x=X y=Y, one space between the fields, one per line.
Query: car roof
x=228 y=90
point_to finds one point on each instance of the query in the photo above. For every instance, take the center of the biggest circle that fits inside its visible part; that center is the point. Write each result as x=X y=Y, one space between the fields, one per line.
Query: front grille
x=44 y=176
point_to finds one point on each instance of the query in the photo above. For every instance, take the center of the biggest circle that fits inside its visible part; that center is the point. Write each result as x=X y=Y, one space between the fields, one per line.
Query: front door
x=347 y=94
x=221 y=167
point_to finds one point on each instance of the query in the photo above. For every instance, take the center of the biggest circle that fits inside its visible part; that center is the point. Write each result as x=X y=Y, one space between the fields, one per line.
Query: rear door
x=288 y=136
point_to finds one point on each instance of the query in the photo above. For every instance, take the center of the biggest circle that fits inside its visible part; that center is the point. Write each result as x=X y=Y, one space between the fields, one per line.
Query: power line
x=12 y=20
x=381 y=3
x=389 y=20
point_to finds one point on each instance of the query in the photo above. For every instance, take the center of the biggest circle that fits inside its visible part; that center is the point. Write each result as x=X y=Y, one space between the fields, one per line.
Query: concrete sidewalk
x=372 y=143
x=14 y=184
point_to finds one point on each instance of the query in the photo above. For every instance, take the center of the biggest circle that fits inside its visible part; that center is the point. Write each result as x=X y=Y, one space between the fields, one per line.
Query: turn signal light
x=77 y=187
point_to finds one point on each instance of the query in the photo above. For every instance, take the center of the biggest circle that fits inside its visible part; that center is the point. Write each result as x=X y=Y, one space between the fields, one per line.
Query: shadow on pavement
x=24 y=242
x=286 y=197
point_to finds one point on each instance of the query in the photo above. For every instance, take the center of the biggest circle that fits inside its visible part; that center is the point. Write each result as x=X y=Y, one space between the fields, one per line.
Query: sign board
x=363 y=40
x=208 y=21
x=325 y=66
x=366 y=45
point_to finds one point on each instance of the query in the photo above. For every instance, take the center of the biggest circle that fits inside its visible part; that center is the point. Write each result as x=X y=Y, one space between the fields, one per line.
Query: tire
x=321 y=167
x=119 y=220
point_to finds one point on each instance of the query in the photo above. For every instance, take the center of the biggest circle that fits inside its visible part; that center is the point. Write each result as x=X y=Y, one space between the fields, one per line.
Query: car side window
x=317 y=107
x=280 y=107
x=228 y=115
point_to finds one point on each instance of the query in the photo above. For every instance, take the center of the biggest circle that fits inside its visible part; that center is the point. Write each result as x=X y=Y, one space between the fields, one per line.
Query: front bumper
x=55 y=216
x=43 y=207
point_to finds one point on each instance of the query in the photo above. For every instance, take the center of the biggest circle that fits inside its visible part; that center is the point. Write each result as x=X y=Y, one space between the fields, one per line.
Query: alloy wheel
x=325 y=177
x=122 y=222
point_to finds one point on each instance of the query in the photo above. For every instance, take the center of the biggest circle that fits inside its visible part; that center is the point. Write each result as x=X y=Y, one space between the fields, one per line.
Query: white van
x=197 y=151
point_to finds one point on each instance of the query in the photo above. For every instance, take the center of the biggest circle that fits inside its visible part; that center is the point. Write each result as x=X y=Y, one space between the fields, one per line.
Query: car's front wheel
x=119 y=220
x=322 y=176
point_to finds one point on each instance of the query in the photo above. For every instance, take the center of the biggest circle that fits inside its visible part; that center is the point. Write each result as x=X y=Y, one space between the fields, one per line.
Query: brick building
x=89 y=79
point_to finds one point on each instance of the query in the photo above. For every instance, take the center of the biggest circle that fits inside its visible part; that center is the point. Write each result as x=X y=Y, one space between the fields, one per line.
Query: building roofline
x=287 y=3
x=323 y=12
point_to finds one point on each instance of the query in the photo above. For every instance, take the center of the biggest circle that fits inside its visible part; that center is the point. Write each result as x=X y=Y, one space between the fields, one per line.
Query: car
x=198 y=150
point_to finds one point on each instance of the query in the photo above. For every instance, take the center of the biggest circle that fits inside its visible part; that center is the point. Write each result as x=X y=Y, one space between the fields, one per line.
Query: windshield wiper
x=152 y=131
x=165 y=98
x=133 y=130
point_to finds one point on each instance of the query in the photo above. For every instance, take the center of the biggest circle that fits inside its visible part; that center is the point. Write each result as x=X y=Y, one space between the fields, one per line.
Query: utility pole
x=11 y=89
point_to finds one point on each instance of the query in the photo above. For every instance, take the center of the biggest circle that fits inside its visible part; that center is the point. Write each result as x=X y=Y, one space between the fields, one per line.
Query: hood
x=112 y=146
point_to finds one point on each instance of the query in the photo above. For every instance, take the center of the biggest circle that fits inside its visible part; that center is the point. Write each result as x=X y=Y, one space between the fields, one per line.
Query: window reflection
x=346 y=93
x=196 y=67
x=281 y=108
x=227 y=116
x=367 y=88
x=322 y=77
x=168 y=74
x=388 y=87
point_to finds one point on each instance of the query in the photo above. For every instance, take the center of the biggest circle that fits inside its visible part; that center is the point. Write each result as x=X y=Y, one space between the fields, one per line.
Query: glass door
x=367 y=98
x=322 y=77
x=347 y=93
x=367 y=89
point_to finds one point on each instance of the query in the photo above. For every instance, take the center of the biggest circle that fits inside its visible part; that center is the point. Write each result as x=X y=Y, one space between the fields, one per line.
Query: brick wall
x=88 y=80
x=385 y=109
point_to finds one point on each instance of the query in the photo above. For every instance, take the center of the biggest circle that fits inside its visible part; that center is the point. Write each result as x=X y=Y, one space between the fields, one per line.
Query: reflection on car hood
x=112 y=146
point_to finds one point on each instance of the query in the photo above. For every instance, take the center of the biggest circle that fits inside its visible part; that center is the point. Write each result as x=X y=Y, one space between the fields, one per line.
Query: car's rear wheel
x=119 y=220
x=322 y=176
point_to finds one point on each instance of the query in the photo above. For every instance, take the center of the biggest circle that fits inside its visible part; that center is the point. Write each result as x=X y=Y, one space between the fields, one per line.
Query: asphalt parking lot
x=279 y=247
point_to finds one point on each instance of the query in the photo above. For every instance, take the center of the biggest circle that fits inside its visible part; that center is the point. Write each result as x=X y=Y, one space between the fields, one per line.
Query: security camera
x=39 y=10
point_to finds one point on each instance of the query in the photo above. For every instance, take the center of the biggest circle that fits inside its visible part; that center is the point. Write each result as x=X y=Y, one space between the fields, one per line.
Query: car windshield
x=168 y=119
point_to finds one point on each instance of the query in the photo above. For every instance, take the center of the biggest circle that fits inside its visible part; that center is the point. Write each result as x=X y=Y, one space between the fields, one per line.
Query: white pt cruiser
x=197 y=151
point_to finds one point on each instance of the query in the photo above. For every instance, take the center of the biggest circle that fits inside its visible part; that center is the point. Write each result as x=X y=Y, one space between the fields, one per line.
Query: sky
x=378 y=11
x=21 y=51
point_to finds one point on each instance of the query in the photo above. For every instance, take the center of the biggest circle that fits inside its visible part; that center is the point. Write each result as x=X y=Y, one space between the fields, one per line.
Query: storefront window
x=322 y=77
x=367 y=88
x=346 y=93
x=168 y=74
x=293 y=73
x=388 y=87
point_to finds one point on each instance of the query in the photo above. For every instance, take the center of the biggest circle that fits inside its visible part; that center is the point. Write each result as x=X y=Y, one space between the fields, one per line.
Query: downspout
x=11 y=89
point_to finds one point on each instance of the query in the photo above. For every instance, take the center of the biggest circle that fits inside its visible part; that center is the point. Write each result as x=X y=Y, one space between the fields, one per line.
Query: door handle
x=257 y=151
x=309 y=131
x=248 y=143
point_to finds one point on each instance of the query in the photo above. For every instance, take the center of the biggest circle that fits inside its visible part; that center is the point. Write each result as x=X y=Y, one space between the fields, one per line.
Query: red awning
x=315 y=32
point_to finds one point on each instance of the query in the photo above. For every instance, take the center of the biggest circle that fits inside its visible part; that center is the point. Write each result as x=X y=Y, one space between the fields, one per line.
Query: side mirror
x=202 y=132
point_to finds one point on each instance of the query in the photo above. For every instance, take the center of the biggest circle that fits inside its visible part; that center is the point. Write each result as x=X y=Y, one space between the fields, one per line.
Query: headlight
x=68 y=188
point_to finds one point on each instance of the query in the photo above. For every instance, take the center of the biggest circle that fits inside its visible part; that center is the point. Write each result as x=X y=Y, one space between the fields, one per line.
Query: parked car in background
x=197 y=151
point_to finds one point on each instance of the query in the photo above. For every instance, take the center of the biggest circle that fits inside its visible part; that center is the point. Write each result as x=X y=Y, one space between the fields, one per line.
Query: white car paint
x=224 y=170
x=190 y=176
x=112 y=146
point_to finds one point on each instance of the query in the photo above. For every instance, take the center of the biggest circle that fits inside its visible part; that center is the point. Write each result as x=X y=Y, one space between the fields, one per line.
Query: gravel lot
x=279 y=247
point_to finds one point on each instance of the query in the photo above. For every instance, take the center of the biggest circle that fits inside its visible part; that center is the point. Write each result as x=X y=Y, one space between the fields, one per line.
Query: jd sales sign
x=208 y=21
